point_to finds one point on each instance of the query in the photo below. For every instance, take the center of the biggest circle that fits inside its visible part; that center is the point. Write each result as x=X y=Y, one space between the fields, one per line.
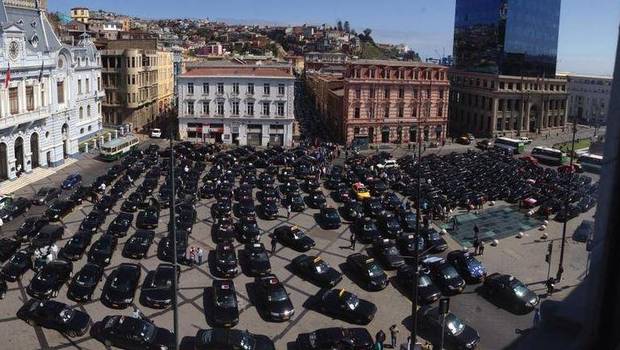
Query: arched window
x=81 y=112
x=88 y=111
x=81 y=131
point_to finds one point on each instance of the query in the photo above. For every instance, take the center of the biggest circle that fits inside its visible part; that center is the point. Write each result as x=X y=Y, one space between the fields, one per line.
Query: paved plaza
x=522 y=257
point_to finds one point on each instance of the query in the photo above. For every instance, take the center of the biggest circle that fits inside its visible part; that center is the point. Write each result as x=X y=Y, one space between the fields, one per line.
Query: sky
x=587 y=42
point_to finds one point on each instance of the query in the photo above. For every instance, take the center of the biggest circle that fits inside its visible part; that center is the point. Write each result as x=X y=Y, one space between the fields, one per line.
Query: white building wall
x=236 y=124
x=589 y=97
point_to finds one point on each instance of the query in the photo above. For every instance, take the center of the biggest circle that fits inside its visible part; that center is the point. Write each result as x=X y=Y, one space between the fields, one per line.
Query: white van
x=156 y=133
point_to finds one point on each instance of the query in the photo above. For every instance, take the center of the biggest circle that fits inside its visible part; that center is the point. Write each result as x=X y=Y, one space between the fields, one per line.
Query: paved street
x=522 y=257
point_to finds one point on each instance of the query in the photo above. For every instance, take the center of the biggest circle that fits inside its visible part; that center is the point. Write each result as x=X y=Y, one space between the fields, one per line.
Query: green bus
x=549 y=155
x=515 y=146
x=118 y=148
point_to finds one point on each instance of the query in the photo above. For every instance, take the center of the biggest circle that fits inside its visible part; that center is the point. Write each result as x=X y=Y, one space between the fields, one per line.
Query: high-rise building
x=507 y=37
x=503 y=82
x=50 y=95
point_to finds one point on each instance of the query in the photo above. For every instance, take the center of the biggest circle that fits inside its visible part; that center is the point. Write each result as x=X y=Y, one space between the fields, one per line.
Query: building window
x=81 y=113
x=440 y=111
x=133 y=62
x=414 y=112
x=13 y=100
x=428 y=93
x=81 y=131
x=251 y=88
x=441 y=94
x=250 y=108
x=401 y=92
x=372 y=73
x=235 y=108
x=99 y=83
x=371 y=112
x=281 y=109
x=190 y=88
x=220 y=88
x=79 y=86
x=401 y=111
x=357 y=112
x=235 y=88
x=281 y=89
x=372 y=93
x=387 y=112
x=190 y=107
x=60 y=88
x=266 y=89
x=220 y=108
x=387 y=93
x=30 y=98
x=265 y=108
x=205 y=88
x=88 y=111
x=87 y=85
x=356 y=130
x=205 y=107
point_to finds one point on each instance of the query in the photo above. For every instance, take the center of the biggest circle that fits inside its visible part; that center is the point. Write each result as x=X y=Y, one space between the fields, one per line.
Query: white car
x=387 y=164
x=155 y=133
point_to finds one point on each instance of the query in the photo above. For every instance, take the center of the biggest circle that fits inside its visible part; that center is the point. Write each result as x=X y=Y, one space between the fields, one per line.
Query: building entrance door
x=4 y=161
x=34 y=149
x=385 y=135
x=19 y=155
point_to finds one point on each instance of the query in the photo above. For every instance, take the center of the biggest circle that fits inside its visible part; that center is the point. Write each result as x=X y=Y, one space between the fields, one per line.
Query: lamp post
x=566 y=204
x=175 y=286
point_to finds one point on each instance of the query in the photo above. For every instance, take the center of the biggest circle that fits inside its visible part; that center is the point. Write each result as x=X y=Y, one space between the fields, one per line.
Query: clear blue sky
x=588 y=29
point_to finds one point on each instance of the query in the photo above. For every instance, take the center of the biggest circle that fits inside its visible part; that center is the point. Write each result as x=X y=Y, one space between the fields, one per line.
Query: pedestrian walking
x=352 y=239
x=288 y=211
x=379 y=340
x=550 y=283
x=481 y=248
x=537 y=318
x=200 y=255
x=192 y=255
x=274 y=244
x=394 y=335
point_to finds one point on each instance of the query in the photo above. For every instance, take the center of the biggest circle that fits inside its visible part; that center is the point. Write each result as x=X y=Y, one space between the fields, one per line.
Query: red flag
x=8 y=77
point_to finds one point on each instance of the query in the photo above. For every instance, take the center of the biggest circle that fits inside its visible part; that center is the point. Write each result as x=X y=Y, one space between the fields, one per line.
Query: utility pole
x=175 y=284
x=566 y=204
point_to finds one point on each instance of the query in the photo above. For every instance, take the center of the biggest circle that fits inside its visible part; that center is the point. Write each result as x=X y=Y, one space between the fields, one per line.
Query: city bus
x=549 y=155
x=119 y=147
x=591 y=162
x=516 y=146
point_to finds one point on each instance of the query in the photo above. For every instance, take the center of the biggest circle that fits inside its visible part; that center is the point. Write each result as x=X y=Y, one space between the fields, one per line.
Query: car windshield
x=278 y=294
x=18 y=259
x=519 y=289
x=297 y=234
x=454 y=325
x=370 y=227
x=331 y=214
x=226 y=300
x=392 y=251
x=83 y=279
x=120 y=284
x=374 y=270
x=352 y=301
x=424 y=281
x=66 y=315
x=321 y=267
x=449 y=272
x=260 y=256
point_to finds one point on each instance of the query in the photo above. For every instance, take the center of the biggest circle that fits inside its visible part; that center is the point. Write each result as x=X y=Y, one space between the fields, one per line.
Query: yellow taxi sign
x=317 y=259
x=341 y=293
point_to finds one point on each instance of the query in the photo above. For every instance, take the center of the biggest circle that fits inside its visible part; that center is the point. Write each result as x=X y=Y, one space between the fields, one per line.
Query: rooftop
x=239 y=70
x=395 y=63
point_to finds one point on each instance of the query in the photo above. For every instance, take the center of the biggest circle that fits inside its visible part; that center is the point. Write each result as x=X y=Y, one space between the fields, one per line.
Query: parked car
x=71 y=181
x=456 y=334
x=47 y=282
x=17 y=207
x=132 y=333
x=55 y=315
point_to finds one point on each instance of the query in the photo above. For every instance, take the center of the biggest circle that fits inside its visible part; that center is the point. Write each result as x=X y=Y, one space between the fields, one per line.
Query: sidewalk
x=9 y=187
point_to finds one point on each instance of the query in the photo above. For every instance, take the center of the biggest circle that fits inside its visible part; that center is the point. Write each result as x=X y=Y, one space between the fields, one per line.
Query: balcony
x=23 y=118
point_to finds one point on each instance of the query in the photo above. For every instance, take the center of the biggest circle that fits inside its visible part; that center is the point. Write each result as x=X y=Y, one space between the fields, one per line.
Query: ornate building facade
x=50 y=95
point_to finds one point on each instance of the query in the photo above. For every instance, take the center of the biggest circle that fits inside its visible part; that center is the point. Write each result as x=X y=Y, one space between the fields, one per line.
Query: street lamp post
x=566 y=204
x=175 y=286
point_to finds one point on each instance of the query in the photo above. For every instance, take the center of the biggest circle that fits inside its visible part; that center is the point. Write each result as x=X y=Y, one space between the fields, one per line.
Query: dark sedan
x=157 y=289
x=17 y=265
x=269 y=210
x=17 y=207
x=293 y=237
x=105 y=204
x=120 y=225
x=138 y=244
x=272 y=298
x=120 y=287
x=366 y=230
x=329 y=218
x=434 y=242
x=226 y=263
x=510 y=293
x=30 y=227
x=387 y=252
x=296 y=201
x=345 y=305
x=71 y=181
x=316 y=270
x=47 y=282
x=225 y=306
x=45 y=195
x=219 y=338
x=148 y=218
x=76 y=246
x=55 y=315
x=101 y=251
x=469 y=267
x=132 y=334
x=335 y=338
x=134 y=202
x=47 y=235
x=353 y=210
x=257 y=259
x=248 y=230
x=316 y=199
x=92 y=221
x=444 y=275
x=456 y=334
x=59 y=209
x=84 y=282
x=427 y=291
x=368 y=271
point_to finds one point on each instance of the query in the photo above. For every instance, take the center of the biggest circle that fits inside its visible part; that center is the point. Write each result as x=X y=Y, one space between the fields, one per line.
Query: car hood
x=80 y=321
x=158 y=294
x=365 y=308
x=164 y=337
x=468 y=336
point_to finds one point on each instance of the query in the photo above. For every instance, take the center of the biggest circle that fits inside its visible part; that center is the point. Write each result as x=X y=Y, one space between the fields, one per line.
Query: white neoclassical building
x=239 y=104
x=50 y=93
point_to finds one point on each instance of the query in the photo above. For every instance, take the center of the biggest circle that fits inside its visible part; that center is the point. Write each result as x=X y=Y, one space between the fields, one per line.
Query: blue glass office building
x=508 y=37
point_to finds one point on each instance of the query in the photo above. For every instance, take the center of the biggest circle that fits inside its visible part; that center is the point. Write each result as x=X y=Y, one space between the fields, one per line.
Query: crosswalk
x=8 y=187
